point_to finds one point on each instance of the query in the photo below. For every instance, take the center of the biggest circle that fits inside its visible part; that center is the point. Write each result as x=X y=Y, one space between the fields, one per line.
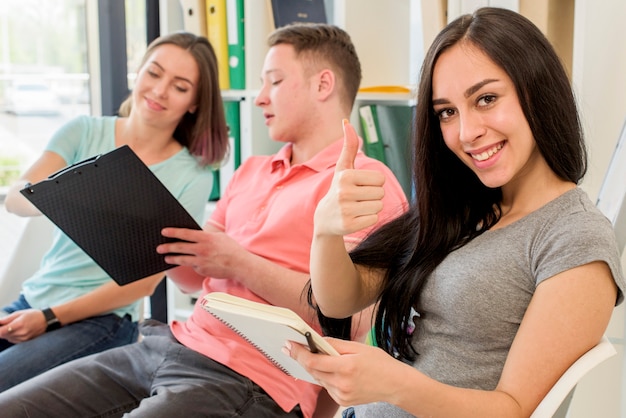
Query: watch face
x=51 y=320
x=50 y=316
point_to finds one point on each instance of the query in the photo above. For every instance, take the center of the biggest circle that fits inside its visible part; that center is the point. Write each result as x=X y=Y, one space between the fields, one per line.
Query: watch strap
x=51 y=319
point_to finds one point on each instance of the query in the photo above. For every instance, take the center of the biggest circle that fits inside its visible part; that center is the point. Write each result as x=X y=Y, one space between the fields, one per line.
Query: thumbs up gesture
x=354 y=198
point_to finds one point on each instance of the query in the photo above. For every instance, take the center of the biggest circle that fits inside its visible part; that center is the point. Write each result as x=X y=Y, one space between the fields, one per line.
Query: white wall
x=599 y=78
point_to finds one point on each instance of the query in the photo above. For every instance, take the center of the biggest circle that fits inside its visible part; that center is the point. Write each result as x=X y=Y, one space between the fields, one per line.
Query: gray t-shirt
x=473 y=303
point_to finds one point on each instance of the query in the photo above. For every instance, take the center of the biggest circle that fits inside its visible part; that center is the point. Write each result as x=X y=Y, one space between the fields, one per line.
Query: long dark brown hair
x=450 y=200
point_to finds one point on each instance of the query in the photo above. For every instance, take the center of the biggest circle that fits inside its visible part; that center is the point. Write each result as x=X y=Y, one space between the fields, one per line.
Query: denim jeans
x=348 y=413
x=19 y=362
x=157 y=377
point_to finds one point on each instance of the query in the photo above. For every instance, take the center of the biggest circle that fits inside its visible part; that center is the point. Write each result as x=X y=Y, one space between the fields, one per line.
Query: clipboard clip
x=28 y=186
x=74 y=166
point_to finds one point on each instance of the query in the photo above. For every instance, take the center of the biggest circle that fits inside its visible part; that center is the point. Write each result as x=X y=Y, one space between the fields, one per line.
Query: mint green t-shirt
x=66 y=272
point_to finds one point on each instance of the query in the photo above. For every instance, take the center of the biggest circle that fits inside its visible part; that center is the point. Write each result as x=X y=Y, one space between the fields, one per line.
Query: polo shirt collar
x=324 y=159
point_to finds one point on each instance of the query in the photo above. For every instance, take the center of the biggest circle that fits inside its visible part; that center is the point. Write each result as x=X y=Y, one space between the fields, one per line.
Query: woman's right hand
x=354 y=198
x=23 y=325
x=360 y=374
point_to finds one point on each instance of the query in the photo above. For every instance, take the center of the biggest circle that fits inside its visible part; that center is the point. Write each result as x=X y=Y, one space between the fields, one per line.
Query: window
x=43 y=76
x=44 y=72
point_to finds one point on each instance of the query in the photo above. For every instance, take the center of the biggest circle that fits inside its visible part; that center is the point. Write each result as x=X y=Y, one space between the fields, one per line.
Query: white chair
x=612 y=202
x=556 y=403
x=612 y=197
x=34 y=241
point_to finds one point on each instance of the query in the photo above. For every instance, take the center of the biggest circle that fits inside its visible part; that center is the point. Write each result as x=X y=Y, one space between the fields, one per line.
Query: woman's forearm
x=17 y=204
x=105 y=298
x=335 y=280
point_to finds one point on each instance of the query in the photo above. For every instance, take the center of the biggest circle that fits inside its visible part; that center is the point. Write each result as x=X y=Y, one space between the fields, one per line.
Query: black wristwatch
x=51 y=319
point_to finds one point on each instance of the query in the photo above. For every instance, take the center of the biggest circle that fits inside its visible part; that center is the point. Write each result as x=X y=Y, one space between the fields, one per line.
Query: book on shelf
x=387 y=137
x=232 y=112
x=217 y=34
x=372 y=140
x=390 y=89
x=215 y=189
x=284 y=12
x=222 y=174
x=236 y=43
x=194 y=16
x=396 y=125
x=267 y=328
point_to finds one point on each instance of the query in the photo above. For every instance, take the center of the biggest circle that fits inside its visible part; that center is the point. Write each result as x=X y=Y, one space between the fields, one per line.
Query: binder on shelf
x=236 y=43
x=267 y=328
x=373 y=145
x=391 y=89
x=215 y=189
x=194 y=16
x=284 y=12
x=232 y=112
x=114 y=208
x=222 y=175
x=217 y=34
x=395 y=125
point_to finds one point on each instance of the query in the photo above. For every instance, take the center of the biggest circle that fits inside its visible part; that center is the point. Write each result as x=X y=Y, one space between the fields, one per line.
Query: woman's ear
x=192 y=109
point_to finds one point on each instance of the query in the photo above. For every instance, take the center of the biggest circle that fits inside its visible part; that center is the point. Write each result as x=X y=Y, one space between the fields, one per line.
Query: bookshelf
x=390 y=42
x=387 y=41
x=374 y=26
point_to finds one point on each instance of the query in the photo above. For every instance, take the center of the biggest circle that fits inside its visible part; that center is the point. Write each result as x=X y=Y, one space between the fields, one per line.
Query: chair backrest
x=612 y=202
x=34 y=241
x=553 y=404
x=612 y=197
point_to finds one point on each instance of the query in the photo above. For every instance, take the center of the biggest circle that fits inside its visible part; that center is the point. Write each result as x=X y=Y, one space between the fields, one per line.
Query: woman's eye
x=277 y=82
x=181 y=89
x=445 y=114
x=151 y=73
x=486 y=100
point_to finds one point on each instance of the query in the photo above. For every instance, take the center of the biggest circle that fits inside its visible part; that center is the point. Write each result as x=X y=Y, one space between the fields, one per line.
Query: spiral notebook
x=114 y=208
x=267 y=327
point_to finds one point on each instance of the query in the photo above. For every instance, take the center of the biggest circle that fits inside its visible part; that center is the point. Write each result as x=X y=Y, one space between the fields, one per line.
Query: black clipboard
x=114 y=208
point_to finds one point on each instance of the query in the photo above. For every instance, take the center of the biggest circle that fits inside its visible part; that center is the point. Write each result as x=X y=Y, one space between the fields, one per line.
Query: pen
x=309 y=340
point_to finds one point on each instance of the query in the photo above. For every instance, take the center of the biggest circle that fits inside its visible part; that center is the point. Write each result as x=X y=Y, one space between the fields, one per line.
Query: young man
x=255 y=245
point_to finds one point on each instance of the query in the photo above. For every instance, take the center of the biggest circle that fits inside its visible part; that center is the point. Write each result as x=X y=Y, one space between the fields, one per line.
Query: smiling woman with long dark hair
x=503 y=272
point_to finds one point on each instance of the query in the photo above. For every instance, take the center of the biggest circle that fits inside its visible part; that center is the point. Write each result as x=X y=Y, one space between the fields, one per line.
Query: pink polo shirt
x=268 y=208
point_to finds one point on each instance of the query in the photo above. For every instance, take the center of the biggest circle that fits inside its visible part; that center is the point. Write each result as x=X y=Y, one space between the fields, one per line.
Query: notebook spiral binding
x=269 y=357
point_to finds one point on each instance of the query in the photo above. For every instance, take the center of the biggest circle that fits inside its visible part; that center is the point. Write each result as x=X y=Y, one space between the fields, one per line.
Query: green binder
x=372 y=140
x=236 y=57
x=222 y=175
x=395 y=123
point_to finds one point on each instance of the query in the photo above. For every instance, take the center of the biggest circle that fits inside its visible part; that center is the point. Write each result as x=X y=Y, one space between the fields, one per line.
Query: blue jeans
x=157 y=377
x=19 y=362
x=348 y=413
